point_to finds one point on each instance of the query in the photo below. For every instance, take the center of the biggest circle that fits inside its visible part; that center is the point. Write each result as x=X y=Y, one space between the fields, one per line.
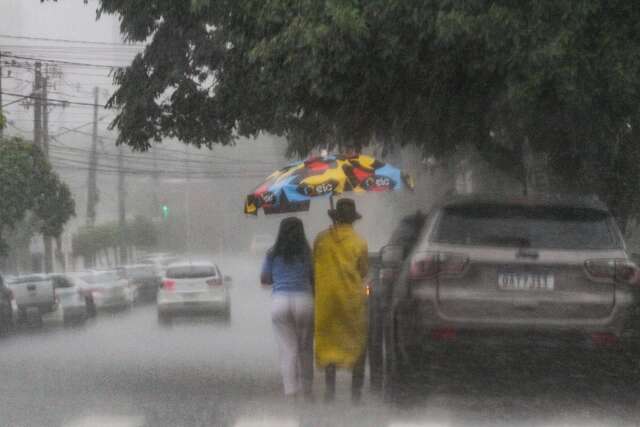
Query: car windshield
x=191 y=271
x=523 y=226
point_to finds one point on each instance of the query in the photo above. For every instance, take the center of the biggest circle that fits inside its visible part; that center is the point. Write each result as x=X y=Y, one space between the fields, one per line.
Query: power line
x=75 y=129
x=141 y=164
x=181 y=152
x=77 y=166
x=62 y=62
x=8 y=36
x=63 y=101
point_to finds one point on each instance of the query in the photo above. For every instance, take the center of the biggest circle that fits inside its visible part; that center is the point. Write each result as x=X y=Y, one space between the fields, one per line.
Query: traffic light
x=165 y=211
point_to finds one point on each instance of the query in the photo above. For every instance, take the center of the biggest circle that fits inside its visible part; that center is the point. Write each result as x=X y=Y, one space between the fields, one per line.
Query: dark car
x=145 y=277
x=380 y=280
x=492 y=272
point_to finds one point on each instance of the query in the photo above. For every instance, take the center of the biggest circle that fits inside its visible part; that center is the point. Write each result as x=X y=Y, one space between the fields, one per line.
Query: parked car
x=193 y=288
x=34 y=295
x=109 y=289
x=145 y=278
x=261 y=243
x=8 y=309
x=492 y=273
x=75 y=300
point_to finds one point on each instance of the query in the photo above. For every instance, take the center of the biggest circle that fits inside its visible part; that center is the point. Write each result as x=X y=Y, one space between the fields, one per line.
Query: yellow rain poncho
x=340 y=264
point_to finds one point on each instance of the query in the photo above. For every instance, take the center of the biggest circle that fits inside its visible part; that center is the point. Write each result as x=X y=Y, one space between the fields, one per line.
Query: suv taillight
x=214 y=282
x=427 y=265
x=620 y=270
x=168 y=285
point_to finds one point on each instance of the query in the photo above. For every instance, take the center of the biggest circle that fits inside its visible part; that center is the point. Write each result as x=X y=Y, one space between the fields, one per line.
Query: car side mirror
x=391 y=256
x=636 y=259
x=228 y=279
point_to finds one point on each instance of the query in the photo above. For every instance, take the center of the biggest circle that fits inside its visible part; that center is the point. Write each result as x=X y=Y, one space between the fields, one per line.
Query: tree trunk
x=48 y=254
x=60 y=255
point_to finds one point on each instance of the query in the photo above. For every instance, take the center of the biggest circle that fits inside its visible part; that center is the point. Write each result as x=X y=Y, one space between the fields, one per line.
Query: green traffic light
x=165 y=211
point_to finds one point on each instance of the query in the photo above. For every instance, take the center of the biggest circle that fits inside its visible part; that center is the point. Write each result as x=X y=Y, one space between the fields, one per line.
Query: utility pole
x=44 y=106
x=37 y=140
x=1 y=128
x=45 y=116
x=156 y=174
x=122 y=214
x=37 y=109
x=92 y=190
x=187 y=195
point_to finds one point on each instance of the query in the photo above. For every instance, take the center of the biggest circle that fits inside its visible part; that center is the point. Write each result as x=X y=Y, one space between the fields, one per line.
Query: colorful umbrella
x=291 y=188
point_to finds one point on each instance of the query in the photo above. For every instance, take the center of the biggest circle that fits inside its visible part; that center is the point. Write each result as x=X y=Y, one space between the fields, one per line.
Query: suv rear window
x=29 y=279
x=142 y=271
x=101 y=277
x=547 y=227
x=191 y=272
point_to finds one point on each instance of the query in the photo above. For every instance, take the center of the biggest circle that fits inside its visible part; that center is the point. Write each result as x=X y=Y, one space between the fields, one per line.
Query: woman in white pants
x=288 y=269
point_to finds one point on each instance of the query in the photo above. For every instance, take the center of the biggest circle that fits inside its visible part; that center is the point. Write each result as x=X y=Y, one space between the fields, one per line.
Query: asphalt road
x=123 y=369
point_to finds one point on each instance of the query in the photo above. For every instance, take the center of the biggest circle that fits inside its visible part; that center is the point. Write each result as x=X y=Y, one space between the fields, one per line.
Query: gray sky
x=66 y=19
x=31 y=29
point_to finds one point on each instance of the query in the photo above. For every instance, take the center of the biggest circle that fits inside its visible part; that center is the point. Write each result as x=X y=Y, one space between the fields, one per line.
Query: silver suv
x=491 y=271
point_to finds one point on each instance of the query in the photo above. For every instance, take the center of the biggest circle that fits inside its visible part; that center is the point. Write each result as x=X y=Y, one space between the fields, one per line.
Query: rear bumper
x=147 y=285
x=196 y=306
x=107 y=302
x=74 y=312
x=418 y=324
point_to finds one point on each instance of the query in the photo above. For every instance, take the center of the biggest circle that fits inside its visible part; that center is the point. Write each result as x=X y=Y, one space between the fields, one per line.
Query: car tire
x=164 y=319
x=227 y=313
x=91 y=307
x=5 y=322
x=631 y=351
x=397 y=372
x=405 y=371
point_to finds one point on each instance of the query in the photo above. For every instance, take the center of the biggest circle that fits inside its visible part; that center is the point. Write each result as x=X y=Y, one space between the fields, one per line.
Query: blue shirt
x=289 y=277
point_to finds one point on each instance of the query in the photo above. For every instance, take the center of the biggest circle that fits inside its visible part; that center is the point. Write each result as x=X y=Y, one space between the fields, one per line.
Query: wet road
x=125 y=370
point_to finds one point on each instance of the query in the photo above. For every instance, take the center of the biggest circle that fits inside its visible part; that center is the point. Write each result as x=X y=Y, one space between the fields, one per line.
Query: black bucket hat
x=345 y=211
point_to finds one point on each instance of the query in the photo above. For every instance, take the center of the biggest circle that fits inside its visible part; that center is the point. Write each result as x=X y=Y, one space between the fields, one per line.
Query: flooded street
x=124 y=369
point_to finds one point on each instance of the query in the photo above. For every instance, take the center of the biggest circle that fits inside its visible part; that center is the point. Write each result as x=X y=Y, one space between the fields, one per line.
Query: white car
x=75 y=301
x=34 y=295
x=109 y=290
x=193 y=288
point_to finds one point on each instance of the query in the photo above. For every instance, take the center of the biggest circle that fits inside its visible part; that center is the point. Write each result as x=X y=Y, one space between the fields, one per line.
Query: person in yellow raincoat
x=340 y=259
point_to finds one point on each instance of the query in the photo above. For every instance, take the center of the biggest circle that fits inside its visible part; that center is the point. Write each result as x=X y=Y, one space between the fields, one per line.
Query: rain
x=142 y=197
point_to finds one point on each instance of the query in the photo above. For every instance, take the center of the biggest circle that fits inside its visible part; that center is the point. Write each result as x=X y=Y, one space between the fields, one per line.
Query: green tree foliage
x=89 y=241
x=28 y=184
x=562 y=75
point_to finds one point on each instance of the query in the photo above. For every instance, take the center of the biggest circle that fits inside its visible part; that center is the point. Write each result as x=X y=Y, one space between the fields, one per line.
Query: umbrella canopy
x=291 y=188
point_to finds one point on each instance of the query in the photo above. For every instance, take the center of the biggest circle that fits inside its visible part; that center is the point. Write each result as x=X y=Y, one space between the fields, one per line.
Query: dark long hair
x=291 y=243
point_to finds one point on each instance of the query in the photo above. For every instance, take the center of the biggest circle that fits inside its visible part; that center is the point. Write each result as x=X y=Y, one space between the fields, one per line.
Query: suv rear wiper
x=520 y=242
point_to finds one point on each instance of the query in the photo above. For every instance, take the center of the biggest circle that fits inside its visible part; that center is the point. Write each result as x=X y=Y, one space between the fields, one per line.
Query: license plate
x=190 y=295
x=514 y=281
